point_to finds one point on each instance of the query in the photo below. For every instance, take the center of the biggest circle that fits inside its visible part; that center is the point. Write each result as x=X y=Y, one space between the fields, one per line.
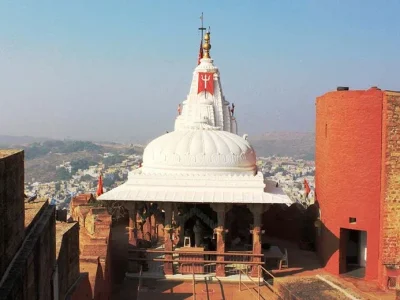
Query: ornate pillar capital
x=220 y=231
x=257 y=230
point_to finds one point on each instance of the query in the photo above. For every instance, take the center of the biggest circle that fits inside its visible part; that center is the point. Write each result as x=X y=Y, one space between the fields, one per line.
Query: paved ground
x=304 y=266
x=160 y=290
x=300 y=278
x=311 y=288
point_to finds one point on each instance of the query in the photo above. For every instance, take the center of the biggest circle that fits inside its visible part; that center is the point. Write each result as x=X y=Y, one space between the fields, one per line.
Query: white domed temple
x=196 y=204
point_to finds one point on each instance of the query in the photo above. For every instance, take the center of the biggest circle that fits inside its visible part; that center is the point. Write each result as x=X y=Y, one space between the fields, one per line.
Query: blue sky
x=116 y=70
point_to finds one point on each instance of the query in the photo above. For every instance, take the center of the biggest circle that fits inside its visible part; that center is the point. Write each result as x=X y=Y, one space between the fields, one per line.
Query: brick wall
x=81 y=289
x=68 y=257
x=348 y=171
x=94 y=243
x=391 y=199
x=11 y=205
x=390 y=194
x=31 y=272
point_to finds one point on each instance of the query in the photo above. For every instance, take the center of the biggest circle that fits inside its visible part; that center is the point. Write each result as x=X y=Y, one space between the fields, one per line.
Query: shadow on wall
x=327 y=243
x=82 y=290
x=102 y=285
x=298 y=224
x=294 y=223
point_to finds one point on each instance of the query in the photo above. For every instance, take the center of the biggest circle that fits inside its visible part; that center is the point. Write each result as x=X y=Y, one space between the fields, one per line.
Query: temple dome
x=199 y=151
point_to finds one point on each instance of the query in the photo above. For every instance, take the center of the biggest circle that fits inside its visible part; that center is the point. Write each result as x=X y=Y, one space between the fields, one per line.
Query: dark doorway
x=206 y=216
x=239 y=221
x=353 y=252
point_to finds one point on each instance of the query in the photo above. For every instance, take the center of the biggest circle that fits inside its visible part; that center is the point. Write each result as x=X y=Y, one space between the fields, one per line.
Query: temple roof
x=203 y=160
x=199 y=151
x=197 y=188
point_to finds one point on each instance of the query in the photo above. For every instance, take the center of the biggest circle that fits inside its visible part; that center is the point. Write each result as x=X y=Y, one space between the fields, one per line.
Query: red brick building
x=358 y=183
x=94 y=243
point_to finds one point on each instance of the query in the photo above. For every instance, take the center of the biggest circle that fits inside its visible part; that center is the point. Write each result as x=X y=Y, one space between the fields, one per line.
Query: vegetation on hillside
x=112 y=160
x=62 y=174
x=81 y=164
x=37 y=149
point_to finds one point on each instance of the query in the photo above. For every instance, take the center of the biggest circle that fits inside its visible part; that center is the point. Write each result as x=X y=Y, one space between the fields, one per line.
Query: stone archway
x=193 y=212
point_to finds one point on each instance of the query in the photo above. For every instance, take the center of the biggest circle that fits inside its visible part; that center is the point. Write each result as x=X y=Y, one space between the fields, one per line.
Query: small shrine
x=196 y=203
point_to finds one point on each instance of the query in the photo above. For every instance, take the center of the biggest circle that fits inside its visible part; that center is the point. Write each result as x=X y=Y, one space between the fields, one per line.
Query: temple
x=196 y=203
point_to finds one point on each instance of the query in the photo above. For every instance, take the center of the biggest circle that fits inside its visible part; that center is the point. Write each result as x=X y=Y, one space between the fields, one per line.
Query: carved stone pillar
x=132 y=237
x=176 y=235
x=139 y=224
x=147 y=229
x=257 y=210
x=132 y=229
x=220 y=233
x=153 y=228
x=168 y=246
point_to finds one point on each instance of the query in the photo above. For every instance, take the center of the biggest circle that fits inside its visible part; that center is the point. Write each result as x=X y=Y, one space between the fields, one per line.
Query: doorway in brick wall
x=353 y=252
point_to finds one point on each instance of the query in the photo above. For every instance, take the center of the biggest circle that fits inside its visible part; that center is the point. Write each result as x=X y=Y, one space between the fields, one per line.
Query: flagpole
x=202 y=27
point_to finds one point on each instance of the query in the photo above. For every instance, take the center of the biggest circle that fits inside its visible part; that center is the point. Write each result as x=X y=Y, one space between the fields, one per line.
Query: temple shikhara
x=196 y=203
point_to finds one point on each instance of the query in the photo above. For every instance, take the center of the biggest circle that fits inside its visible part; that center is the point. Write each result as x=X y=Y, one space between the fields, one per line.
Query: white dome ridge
x=199 y=151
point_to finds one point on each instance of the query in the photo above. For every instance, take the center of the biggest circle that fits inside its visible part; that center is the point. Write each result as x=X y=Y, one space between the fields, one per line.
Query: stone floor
x=303 y=268
x=163 y=289
x=301 y=279
x=355 y=272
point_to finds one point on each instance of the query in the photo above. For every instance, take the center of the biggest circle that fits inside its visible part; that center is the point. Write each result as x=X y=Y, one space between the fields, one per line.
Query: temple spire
x=207 y=45
x=201 y=41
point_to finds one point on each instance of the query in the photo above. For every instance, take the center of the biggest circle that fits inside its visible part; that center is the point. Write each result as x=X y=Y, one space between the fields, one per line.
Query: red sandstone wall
x=348 y=170
x=390 y=193
x=31 y=272
x=82 y=291
x=68 y=260
x=12 y=228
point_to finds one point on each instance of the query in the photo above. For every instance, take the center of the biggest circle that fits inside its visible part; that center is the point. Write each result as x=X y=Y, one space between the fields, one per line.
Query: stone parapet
x=32 y=268
x=11 y=205
x=67 y=251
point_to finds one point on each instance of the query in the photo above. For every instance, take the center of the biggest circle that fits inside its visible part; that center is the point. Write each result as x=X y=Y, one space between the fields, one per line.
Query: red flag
x=200 y=52
x=206 y=83
x=100 y=186
x=306 y=187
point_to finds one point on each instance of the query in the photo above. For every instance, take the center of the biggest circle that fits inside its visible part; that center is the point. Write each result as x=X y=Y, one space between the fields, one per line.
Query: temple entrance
x=353 y=252
x=198 y=222
x=239 y=221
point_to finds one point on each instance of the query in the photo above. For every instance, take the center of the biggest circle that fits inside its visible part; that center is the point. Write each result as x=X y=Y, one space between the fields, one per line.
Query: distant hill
x=294 y=144
x=9 y=140
x=42 y=155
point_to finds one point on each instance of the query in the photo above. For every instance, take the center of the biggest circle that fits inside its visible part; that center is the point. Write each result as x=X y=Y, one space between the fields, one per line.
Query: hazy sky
x=116 y=70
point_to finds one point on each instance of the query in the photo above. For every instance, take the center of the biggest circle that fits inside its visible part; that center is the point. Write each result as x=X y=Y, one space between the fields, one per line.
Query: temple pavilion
x=198 y=195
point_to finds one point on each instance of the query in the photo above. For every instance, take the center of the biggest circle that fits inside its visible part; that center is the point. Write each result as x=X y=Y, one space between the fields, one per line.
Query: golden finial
x=206 y=45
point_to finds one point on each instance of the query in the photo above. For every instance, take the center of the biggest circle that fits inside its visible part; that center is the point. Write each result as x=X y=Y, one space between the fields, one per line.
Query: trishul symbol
x=205 y=79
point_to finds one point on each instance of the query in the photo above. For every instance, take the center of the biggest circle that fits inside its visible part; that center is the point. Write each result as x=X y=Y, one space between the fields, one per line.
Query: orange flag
x=200 y=52
x=100 y=186
x=306 y=187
